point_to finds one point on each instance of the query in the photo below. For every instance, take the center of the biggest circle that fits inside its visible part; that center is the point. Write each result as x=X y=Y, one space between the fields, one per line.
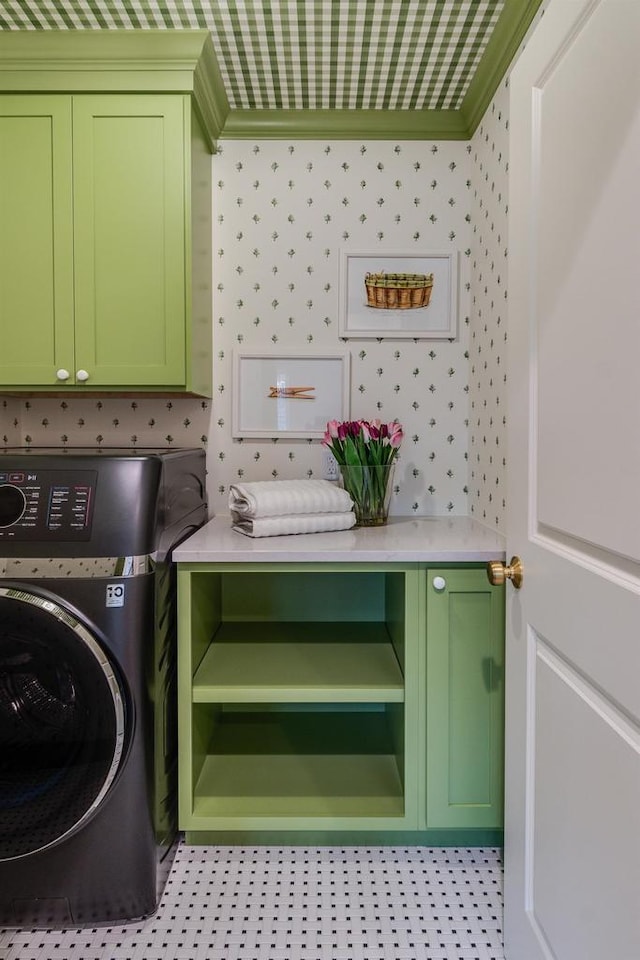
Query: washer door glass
x=61 y=723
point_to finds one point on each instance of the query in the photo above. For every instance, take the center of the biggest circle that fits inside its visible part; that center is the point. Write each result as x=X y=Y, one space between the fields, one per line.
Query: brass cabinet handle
x=498 y=572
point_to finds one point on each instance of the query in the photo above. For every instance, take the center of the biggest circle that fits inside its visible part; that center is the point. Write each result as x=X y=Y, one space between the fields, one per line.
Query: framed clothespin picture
x=292 y=395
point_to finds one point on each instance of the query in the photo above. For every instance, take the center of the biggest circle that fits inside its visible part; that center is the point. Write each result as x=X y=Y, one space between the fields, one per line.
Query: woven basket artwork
x=398 y=291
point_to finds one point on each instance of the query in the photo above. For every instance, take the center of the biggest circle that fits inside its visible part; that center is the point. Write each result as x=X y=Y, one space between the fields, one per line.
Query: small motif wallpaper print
x=111 y=422
x=10 y=426
x=283 y=214
x=489 y=319
x=488 y=326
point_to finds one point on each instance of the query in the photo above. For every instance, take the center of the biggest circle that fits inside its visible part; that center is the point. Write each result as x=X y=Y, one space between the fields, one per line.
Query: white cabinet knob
x=439 y=583
x=82 y=375
x=62 y=374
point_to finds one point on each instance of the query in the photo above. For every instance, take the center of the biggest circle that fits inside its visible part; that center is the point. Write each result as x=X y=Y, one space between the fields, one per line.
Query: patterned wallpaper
x=489 y=308
x=282 y=214
x=363 y=54
x=488 y=327
x=10 y=426
x=106 y=422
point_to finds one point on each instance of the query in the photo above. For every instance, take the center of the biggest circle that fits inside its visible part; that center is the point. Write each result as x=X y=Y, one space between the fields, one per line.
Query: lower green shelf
x=303 y=765
x=299 y=786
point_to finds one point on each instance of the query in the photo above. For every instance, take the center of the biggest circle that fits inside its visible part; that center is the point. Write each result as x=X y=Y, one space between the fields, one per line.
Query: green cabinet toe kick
x=340 y=701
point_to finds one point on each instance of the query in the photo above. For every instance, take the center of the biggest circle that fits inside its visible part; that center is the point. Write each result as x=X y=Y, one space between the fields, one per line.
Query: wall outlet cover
x=329 y=466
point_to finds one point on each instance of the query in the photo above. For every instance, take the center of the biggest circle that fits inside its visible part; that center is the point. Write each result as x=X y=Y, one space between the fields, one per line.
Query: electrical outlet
x=329 y=466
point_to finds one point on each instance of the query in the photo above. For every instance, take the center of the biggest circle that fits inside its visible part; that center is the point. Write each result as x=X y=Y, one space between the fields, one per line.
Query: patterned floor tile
x=302 y=903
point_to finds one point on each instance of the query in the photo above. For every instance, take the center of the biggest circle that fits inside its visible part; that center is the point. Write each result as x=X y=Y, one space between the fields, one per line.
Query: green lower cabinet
x=464 y=700
x=303 y=708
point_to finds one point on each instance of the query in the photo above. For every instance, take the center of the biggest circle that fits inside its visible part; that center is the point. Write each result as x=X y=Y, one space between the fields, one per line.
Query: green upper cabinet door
x=36 y=239
x=130 y=239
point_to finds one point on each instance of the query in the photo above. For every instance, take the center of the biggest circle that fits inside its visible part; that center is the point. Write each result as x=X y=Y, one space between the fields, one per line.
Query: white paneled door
x=572 y=837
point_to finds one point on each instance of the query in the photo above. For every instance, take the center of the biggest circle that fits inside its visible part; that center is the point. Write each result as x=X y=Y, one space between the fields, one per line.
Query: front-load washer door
x=62 y=723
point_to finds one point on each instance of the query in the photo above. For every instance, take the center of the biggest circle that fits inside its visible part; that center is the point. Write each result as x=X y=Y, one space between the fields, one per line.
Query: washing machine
x=88 y=741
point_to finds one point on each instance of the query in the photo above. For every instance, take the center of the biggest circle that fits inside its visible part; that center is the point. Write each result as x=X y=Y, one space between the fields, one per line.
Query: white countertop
x=401 y=540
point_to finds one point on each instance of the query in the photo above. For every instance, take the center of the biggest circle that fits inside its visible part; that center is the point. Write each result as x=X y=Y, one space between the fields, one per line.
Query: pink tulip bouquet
x=365 y=451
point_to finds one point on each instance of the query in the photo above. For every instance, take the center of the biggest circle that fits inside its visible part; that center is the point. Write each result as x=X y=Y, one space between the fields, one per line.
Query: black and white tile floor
x=302 y=903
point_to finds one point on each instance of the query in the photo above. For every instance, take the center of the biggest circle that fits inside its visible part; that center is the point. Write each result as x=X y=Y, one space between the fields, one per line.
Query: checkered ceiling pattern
x=307 y=54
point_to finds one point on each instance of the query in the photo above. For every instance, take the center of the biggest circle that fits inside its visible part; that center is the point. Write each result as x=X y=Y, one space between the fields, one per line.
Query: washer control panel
x=46 y=504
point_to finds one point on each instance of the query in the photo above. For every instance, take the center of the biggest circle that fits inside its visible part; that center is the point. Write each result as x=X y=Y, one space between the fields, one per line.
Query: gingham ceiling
x=305 y=54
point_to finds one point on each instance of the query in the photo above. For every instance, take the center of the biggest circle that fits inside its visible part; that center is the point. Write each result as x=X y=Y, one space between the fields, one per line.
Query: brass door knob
x=498 y=572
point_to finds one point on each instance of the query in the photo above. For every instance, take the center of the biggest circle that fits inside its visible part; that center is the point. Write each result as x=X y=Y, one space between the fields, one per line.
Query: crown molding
x=344 y=125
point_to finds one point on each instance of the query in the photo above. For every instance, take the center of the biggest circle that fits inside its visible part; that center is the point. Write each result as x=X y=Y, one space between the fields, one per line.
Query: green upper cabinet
x=105 y=239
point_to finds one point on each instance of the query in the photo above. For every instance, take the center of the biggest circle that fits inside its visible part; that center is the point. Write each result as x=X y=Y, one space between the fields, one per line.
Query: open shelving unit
x=295 y=708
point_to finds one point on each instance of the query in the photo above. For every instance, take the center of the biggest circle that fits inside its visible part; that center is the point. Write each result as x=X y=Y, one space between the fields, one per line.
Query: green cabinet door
x=99 y=288
x=464 y=700
x=36 y=240
x=130 y=238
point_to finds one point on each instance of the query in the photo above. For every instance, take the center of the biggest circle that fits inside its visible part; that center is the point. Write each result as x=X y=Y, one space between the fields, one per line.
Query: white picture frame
x=360 y=319
x=288 y=394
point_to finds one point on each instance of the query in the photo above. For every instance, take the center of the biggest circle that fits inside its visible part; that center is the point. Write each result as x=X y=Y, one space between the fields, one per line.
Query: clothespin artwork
x=290 y=393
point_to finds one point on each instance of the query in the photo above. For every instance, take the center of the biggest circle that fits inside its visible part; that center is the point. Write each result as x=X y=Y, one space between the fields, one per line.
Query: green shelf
x=300 y=764
x=299 y=662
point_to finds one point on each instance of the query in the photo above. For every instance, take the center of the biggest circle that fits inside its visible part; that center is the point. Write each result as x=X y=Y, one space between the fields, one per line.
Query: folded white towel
x=294 y=523
x=276 y=498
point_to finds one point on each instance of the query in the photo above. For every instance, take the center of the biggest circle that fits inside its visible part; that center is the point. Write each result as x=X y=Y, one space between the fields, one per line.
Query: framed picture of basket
x=399 y=296
x=288 y=395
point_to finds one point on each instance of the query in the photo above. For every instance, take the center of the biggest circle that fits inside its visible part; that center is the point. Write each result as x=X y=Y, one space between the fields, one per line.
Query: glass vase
x=370 y=489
